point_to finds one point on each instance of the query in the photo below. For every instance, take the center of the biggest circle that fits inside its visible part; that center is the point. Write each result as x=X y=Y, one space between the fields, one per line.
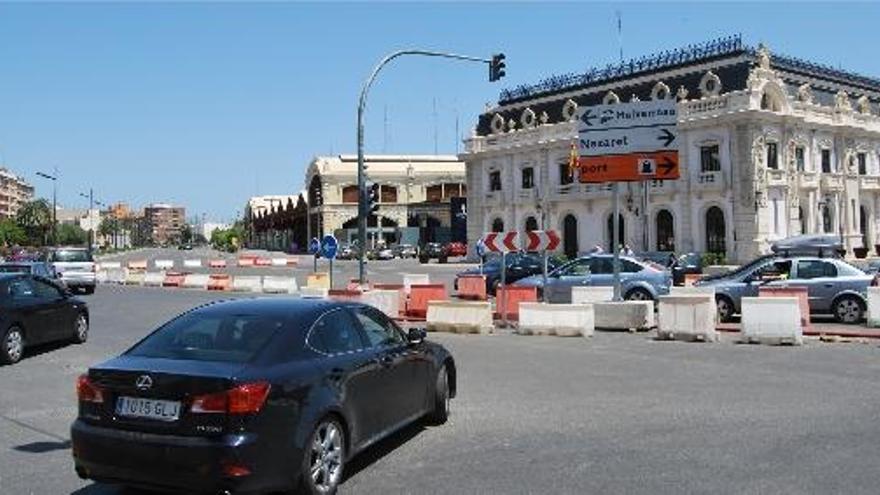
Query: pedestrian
x=597 y=249
x=625 y=250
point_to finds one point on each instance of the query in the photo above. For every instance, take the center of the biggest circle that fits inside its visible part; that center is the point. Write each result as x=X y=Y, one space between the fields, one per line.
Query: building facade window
x=495 y=180
x=528 y=177
x=565 y=175
x=715 y=231
x=350 y=194
x=388 y=194
x=665 y=231
x=773 y=156
x=826 y=219
x=709 y=159
x=826 y=161
x=621 y=230
x=434 y=194
x=799 y=160
x=862 y=160
x=570 y=235
x=498 y=225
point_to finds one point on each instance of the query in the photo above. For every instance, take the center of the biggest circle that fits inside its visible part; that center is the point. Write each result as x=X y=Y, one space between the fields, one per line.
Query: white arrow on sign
x=625 y=115
x=623 y=141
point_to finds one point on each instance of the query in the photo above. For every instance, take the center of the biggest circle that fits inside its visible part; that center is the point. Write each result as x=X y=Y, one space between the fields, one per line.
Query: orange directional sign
x=629 y=167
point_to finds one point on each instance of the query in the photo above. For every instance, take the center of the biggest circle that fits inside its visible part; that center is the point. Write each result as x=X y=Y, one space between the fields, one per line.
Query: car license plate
x=137 y=407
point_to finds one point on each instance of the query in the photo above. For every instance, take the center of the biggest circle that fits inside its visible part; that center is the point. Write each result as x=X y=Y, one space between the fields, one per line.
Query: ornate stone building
x=276 y=222
x=416 y=191
x=769 y=146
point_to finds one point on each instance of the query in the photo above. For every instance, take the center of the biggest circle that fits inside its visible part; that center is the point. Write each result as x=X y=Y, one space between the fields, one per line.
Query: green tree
x=35 y=217
x=71 y=234
x=11 y=233
x=186 y=234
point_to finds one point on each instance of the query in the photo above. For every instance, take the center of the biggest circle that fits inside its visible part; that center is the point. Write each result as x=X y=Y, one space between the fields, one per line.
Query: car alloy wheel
x=639 y=295
x=13 y=345
x=81 y=328
x=325 y=457
x=848 y=310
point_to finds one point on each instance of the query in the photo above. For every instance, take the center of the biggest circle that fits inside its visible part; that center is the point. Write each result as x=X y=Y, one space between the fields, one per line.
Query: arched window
x=665 y=231
x=498 y=225
x=610 y=232
x=570 y=236
x=531 y=224
x=715 y=231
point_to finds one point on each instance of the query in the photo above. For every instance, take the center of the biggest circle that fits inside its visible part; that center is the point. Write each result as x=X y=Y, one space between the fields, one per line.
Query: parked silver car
x=834 y=286
x=639 y=281
x=75 y=266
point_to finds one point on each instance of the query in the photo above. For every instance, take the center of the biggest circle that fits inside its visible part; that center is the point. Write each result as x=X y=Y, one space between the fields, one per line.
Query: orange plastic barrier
x=217 y=264
x=220 y=281
x=354 y=284
x=690 y=278
x=799 y=292
x=245 y=261
x=174 y=279
x=472 y=287
x=420 y=294
x=137 y=265
x=263 y=262
x=344 y=294
x=401 y=291
x=292 y=262
x=509 y=297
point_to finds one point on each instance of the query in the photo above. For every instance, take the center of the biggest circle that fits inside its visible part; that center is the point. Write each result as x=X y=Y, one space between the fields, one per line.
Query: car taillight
x=87 y=391
x=243 y=399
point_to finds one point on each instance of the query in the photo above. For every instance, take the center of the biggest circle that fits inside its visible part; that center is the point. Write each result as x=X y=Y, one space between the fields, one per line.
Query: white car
x=75 y=266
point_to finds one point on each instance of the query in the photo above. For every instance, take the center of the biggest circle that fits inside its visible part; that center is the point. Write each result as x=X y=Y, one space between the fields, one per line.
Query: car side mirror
x=416 y=336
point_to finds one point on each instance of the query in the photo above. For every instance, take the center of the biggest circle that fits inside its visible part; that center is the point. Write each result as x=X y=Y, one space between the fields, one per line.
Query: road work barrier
x=109 y=265
x=410 y=279
x=115 y=276
x=802 y=295
x=313 y=292
x=319 y=280
x=690 y=278
x=401 y=295
x=687 y=317
x=563 y=320
x=163 y=264
x=217 y=263
x=344 y=294
x=472 y=287
x=771 y=320
x=219 y=281
x=262 y=262
x=420 y=295
x=625 y=315
x=873 y=307
x=692 y=291
x=279 y=285
x=247 y=283
x=173 y=279
x=589 y=295
x=137 y=265
x=196 y=281
x=245 y=261
x=387 y=301
x=101 y=276
x=279 y=261
x=134 y=277
x=458 y=316
x=508 y=299
x=154 y=279
x=355 y=284
x=192 y=263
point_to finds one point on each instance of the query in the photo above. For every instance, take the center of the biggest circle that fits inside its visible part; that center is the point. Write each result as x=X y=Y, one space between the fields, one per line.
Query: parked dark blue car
x=519 y=266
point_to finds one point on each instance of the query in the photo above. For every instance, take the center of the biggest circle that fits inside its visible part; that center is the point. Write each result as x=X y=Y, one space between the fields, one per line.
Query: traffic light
x=496 y=67
x=372 y=198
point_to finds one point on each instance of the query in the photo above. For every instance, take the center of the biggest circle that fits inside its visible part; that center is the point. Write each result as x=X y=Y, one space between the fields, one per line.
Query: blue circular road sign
x=315 y=246
x=329 y=246
x=481 y=248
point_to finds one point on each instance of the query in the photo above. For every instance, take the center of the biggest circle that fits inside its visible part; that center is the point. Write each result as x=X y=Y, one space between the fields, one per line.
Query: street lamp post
x=54 y=180
x=91 y=197
x=496 y=70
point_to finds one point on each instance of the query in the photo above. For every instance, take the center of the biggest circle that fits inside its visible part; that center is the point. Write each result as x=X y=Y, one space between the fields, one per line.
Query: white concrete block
x=410 y=279
x=153 y=279
x=387 y=301
x=459 y=316
x=689 y=291
x=313 y=292
x=247 y=283
x=101 y=276
x=624 y=315
x=279 y=285
x=163 y=264
x=196 y=281
x=589 y=295
x=192 y=263
x=564 y=320
x=279 y=261
x=873 y=307
x=115 y=275
x=771 y=320
x=110 y=265
x=687 y=317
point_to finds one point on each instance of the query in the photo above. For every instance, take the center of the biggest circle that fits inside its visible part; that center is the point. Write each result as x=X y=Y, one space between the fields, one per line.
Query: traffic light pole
x=361 y=172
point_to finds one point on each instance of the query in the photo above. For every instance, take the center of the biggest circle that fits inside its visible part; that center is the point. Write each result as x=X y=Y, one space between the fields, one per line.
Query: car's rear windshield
x=72 y=256
x=235 y=338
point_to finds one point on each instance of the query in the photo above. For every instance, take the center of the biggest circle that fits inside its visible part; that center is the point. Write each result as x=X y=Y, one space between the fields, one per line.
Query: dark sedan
x=38 y=268
x=519 y=266
x=256 y=395
x=34 y=310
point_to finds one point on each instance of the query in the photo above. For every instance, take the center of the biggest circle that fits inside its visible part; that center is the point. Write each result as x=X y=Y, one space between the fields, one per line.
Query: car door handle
x=828 y=286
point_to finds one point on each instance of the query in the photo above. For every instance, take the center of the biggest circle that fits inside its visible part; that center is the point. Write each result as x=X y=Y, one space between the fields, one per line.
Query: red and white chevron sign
x=501 y=241
x=541 y=240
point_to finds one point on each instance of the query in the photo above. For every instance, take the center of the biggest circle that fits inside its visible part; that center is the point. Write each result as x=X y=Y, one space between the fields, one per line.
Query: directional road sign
x=541 y=240
x=501 y=241
x=637 y=166
x=627 y=115
x=480 y=248
x=621 y=141
x=329 y=246
x=315 y=246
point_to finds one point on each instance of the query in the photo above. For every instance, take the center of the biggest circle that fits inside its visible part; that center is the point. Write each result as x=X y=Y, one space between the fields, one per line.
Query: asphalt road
x=617 y=413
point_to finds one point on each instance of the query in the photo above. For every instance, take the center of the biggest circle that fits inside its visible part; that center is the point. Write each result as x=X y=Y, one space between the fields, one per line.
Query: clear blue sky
x=207 y=104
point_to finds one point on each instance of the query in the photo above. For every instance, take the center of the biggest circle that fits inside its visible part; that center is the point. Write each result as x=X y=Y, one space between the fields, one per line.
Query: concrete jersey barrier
x=625 y=315
x=247 y=283
x=163 y=264
x=387 y=301
x=154 y=279
x=196 y=281
x=313 y=292
x=459 y=317
x=192 y=263
x=563 y=320
x=279 y=261
x=589 y=295
x=134 y=277
x=279 y=285
x=318 y=280
x=691 y=291
x=687 y=317
x=873 y=315
x=137 y=265
x=109 y=265
x=410 y=279
x=771 y=320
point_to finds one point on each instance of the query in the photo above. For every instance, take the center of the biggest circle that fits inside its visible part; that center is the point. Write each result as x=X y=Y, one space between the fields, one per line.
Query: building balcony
x=869 y=183
x=776 y=178
x=831 y=182
x=808 y=180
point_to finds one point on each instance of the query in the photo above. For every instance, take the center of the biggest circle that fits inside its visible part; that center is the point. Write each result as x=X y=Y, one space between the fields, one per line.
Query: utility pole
x=496 y=71
x=91 y=197
x=54 y=179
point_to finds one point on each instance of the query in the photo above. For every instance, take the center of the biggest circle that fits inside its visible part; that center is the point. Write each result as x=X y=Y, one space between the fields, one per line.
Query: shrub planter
x=860 y=252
